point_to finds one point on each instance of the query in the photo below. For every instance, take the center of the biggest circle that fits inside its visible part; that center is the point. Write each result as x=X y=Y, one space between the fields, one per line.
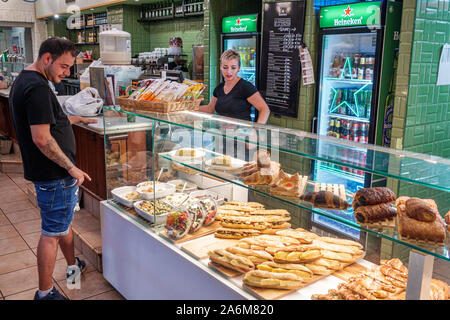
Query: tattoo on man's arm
x=52 y=150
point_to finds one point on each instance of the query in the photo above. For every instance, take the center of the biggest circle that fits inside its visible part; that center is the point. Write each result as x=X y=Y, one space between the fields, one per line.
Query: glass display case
x=199 y=184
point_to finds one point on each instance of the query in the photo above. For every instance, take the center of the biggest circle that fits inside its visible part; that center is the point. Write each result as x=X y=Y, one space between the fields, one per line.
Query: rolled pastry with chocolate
x=371 y=196
x=375 y=213
x=419 y=209
x=325 y=200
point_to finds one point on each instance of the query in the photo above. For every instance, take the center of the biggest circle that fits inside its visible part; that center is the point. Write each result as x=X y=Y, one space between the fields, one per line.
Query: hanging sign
x=282 y=36
x=350 y=15
x=239 y=24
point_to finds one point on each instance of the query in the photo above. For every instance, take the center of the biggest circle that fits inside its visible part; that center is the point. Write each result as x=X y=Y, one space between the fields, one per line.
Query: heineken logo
x=347 y=22
x=347 y=12
x=239 y=27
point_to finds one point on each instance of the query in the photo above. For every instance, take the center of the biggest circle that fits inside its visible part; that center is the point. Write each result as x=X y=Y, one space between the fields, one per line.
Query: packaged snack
x=196 y=207
x=178 y=223
x=210 y=208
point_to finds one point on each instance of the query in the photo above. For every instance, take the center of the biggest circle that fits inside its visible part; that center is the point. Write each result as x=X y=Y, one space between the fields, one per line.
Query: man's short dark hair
x=57 y=47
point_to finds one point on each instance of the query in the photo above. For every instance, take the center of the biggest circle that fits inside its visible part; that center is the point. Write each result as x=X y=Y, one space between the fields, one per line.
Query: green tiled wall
x=427 y=125
x=421 y=116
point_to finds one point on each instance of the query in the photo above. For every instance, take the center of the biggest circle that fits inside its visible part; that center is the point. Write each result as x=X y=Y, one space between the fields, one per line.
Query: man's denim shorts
x=57 y=200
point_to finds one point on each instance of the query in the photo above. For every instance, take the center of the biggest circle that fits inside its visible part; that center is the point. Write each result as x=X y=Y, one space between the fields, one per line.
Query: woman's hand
x=258 y=102
x=210 y=108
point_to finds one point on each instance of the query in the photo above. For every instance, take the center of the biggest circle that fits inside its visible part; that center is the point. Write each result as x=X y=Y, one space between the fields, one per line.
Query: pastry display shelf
x=442 y=252
x=391 y=163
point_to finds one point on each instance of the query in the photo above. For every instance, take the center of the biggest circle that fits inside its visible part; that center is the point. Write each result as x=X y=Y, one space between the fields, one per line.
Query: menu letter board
x=283 y=27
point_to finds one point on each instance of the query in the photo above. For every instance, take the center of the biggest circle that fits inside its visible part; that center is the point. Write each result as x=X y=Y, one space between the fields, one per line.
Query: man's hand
x=79 y=175
x=78 y=119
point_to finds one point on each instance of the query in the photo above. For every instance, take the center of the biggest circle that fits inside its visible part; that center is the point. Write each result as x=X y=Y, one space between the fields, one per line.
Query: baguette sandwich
x=300 y=270
x=230 y=233
x=255 y=256
x=231 y=261
x=265 y=279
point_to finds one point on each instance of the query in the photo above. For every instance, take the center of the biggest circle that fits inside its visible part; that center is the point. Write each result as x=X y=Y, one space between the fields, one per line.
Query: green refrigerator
x=357 y=44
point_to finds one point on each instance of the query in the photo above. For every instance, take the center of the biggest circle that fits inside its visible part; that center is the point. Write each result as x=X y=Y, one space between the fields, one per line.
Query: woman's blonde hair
x=229 y=55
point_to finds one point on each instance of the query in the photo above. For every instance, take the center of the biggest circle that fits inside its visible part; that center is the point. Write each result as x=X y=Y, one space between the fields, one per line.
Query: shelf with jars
x=166 y=10
x=251 y=171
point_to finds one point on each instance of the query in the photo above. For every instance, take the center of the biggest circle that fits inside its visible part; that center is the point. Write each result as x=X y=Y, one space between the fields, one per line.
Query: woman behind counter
x=235 y=97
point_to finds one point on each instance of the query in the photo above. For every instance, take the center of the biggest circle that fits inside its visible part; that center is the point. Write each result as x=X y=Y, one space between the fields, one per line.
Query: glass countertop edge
x=325 y=214
x=303 y=134
x=294 y=132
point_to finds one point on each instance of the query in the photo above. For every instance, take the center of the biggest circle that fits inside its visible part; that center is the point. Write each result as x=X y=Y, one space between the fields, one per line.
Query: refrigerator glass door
x=344 y=109
x=246 y=47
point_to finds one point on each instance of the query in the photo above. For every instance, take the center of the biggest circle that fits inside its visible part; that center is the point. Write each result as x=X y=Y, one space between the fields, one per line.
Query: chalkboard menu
x=283 y=26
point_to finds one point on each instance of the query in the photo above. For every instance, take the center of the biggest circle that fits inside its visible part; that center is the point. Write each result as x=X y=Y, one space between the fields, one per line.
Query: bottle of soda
x=354 y=132
x=364 y=133
x=350 y=101
x=337 y=125
x=345 y=129
x=369 y=103
x=356 y=61
x=331 y=128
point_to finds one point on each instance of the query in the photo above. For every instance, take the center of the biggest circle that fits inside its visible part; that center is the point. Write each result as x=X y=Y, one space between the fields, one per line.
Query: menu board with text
x=283 y=27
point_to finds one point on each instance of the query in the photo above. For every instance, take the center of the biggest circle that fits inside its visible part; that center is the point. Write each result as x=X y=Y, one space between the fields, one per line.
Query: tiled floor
x=20 y=225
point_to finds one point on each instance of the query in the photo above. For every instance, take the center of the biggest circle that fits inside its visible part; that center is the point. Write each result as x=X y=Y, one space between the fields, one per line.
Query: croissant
x=375 y=213
x=370 y=196
x=418 y=209
x=325 y=199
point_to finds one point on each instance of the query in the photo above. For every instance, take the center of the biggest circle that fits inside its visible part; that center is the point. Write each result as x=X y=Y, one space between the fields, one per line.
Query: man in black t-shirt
x=47 y=145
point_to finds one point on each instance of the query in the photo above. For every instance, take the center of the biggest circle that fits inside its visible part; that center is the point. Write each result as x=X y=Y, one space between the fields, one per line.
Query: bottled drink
x=337 y=124
x=369 y=104
x=369 y=73
x=350 y=101
x=362 y=104
x=354 y=132
x=356 y=61
x=331 y=128
x=348 y=125
x=362 y=60
x=338 y=97
x=360 y=73
x=364 y=134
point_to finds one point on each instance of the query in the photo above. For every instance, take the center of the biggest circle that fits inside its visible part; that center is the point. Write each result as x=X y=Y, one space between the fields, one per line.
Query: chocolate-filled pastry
x=420 y=230
x=370 y=196
x=418 y=209
x=325 y=199
x=375 y=213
